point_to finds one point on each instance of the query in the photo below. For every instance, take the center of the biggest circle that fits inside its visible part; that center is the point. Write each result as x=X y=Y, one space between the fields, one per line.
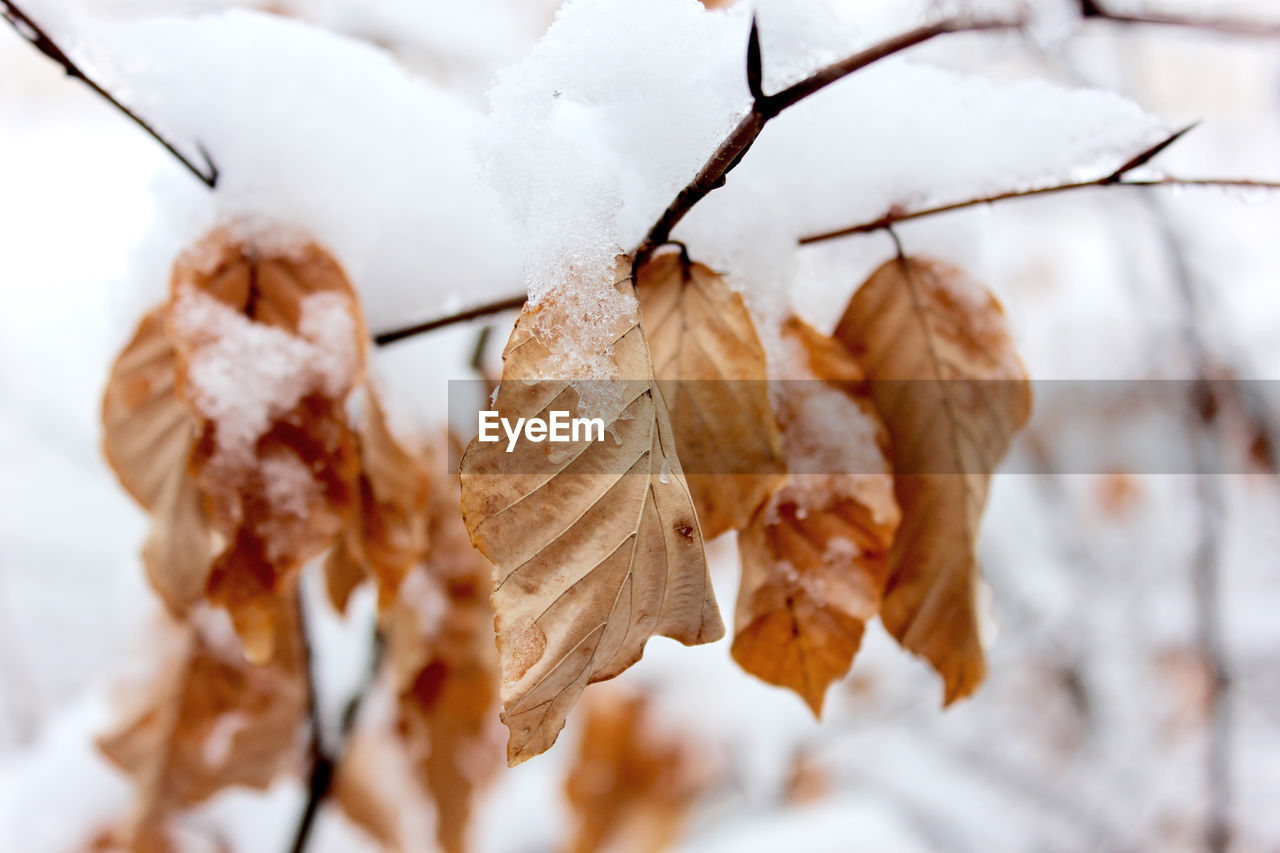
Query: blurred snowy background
x=388 y=129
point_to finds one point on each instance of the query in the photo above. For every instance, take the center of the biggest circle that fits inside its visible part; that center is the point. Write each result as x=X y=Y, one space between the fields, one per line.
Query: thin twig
x=513 y=303
x=1113 y=179
x=34 y=34
x=895 y=217
x=1094 y=10
x=765 y=107
x=320 y=778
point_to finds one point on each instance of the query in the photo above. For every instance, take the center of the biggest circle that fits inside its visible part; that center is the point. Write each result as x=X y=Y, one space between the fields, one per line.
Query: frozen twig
x=1117 y=178
x=1096 y=10
x=765 y=107
x=38 y=38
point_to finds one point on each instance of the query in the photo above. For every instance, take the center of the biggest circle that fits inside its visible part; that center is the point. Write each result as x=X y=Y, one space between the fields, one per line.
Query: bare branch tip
x=211 y=171
x=755 y=65
x=1147 y=155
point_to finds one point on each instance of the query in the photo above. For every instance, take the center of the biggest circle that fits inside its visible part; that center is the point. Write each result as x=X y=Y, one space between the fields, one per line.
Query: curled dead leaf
x=596 y=543
x=269 y=342
x=912 y=320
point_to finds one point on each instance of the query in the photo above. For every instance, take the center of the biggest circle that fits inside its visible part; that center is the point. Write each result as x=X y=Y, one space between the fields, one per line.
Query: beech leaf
x=596 y=544
x=710 y=366
x=917 y=319
x=814 y=557
x=148 y=436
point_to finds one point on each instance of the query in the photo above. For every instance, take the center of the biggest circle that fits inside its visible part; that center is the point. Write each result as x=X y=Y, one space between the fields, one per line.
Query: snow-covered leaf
x=596 y=543
x=814 y=558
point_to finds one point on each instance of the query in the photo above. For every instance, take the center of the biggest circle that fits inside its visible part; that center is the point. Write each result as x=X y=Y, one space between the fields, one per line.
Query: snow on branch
x=1116 y=178
x=40 y=39
x=765 y=107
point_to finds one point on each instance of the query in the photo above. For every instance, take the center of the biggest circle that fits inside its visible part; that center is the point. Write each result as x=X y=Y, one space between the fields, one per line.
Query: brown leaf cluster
x=225 y=416
x=829 y=535
x=268 y=347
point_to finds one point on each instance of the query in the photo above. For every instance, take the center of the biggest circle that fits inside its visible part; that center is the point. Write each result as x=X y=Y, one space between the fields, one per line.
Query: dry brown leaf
x=445 y=668
x=710 y=366
x=630 y=788
x=917 y=319
x=147 y=438
x=590 y=561
x=360 y=788
x=269 y=343
x=210 y=721
x=814 y=558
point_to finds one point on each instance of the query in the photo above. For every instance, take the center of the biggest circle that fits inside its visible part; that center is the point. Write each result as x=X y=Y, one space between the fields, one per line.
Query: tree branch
x=324 y=762
x=1094 y=10
x=765 y=107
x=35 y=35
x=1115 y=179
x=893 y=217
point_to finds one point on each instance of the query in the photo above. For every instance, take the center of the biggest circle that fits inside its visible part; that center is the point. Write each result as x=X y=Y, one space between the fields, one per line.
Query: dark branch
x=765 y=107
x=324 y=762
x=1143 y=158
x=1094 y=10
x=34 y=34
